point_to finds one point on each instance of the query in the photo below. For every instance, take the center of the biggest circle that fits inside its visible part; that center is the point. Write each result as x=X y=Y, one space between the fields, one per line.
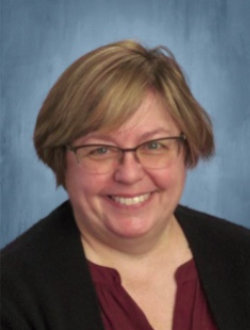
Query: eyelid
x=117 y=147
x=153 y=140
x=107 y=144
x=94 y=145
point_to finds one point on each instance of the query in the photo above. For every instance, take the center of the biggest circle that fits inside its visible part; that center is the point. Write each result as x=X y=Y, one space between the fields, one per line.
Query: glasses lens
x=98 y=159
x=153 y=154
x=158 y=153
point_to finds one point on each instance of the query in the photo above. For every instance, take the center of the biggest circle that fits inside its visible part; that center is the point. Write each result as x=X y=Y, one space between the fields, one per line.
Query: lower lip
x=130 y=207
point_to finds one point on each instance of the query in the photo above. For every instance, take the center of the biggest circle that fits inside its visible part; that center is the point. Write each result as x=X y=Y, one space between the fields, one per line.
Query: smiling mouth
x=130 y=200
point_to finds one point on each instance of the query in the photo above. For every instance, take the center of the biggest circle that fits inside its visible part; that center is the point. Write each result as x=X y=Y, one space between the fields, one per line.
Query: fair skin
x=140 y=239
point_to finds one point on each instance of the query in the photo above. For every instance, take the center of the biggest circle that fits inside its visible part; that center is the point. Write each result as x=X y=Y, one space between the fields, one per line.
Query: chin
x=131 y=228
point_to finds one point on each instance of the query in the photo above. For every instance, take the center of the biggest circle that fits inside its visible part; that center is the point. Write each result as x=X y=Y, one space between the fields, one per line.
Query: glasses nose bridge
x=134 y=150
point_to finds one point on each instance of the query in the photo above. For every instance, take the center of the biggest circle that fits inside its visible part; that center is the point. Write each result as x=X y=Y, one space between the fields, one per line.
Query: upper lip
x=129 y=195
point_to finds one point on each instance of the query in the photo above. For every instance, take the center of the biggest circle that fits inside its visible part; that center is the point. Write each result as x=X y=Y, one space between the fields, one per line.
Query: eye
x=153 y=145
x=99 y=151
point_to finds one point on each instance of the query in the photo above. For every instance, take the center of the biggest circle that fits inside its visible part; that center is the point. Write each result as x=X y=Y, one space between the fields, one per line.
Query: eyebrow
x=144 y=137
x=150 y=134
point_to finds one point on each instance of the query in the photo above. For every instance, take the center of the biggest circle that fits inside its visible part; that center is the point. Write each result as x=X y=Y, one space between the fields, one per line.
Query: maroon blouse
x=119 y=310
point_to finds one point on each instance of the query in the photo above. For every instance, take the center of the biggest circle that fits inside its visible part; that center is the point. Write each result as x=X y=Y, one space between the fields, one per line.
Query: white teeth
x=131 y=200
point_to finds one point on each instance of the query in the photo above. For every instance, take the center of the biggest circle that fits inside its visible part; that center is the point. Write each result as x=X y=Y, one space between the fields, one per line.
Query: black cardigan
x=46 y=284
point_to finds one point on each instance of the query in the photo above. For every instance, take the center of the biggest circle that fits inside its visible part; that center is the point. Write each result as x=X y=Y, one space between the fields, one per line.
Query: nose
x=129 y=170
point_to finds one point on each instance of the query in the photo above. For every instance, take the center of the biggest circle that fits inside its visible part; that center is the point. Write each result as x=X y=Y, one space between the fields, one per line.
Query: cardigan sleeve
x=16 y=303
x=45 y=280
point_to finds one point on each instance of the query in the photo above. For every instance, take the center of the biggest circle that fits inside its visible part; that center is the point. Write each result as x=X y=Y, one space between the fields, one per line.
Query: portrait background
x=210 y=40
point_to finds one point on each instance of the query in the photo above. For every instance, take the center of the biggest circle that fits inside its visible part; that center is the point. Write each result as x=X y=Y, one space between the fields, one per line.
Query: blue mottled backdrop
x=210 y=39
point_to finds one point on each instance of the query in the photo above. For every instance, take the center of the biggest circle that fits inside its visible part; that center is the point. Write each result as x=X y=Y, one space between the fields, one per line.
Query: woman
x=119 y=129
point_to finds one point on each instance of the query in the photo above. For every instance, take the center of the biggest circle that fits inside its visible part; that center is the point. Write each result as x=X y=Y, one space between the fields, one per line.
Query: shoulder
x=40 y=241
x=44 y=273
x=201 y=220
x=221 y=252
x=214 y=233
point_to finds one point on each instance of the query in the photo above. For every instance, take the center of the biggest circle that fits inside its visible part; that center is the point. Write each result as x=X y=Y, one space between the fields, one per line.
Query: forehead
x=152 y=116
x=151 y=119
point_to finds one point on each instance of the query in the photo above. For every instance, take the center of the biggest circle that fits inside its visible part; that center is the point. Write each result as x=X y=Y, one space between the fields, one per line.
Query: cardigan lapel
x=76 y=293
x=220 y=265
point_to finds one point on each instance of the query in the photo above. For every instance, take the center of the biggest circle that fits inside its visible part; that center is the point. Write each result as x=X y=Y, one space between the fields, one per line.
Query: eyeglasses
x=103 y=158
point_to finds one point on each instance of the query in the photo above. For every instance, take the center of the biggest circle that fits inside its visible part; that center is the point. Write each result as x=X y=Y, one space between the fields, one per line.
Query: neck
x=119 y=251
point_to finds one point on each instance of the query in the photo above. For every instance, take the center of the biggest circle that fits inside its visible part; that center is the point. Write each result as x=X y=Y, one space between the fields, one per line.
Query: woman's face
x=130 y=201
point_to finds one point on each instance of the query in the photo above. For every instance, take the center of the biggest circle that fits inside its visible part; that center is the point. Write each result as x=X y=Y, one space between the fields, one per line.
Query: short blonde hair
x=103 y=88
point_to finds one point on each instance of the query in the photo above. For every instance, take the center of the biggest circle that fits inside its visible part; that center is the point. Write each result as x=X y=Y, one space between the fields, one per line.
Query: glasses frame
x=181 y=138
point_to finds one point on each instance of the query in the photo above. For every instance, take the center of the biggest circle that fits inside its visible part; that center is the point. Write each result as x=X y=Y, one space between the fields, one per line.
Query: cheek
x=82 y=186
x=171 y=178
x=76 y=180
